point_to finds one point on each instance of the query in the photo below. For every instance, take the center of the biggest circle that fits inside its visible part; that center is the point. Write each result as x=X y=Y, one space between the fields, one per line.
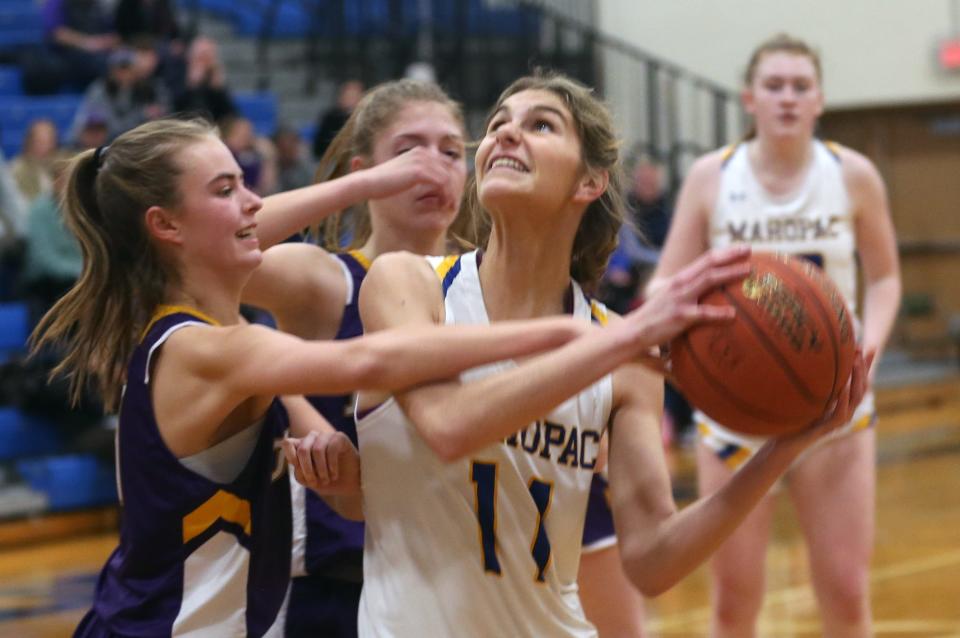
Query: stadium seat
x=260 y=109
x=22 y=434
x=71 y=481
x=14 y=328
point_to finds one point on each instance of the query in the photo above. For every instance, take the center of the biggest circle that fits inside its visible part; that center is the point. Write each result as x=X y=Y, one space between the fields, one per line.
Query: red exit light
x=949 y=54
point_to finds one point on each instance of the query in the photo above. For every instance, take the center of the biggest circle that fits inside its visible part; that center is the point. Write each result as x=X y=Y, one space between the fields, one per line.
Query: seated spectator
x=13 y=221
x=153 y=19
x=256 y=156
x=53 y=258
x=205 y=92
x=79 y=37
x=32 y=169
x=154 y=24
x=92 y=133
x=127 y=97
x=293 y=168
x=333 y=119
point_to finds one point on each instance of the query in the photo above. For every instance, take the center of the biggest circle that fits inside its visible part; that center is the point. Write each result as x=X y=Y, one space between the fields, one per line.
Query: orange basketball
x=777 y=366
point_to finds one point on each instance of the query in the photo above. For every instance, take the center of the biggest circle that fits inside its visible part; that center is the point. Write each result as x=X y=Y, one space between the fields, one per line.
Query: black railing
x=665 y=111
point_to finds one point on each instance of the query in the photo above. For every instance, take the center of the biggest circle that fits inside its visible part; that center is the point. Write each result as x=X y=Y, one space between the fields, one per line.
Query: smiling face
x=530 y=156
x=213 y=223
x=784 y=95
x=432 y=126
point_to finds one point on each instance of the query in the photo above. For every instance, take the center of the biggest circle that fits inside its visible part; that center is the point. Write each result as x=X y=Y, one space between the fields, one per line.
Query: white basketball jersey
x=815 y=222
x=488 y=545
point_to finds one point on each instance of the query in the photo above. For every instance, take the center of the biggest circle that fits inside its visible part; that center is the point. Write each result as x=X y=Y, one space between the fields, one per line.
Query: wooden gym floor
x=45 y=586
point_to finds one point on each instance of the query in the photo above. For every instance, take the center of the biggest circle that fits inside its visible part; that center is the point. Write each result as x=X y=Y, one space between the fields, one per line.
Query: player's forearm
x=410 y=356
x=881 y=304
x=287 y=213
x=656 y=561
x=303 y=417
x=458 y=418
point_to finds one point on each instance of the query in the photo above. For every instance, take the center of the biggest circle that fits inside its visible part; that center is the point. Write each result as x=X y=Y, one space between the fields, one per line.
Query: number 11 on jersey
x=484 y=478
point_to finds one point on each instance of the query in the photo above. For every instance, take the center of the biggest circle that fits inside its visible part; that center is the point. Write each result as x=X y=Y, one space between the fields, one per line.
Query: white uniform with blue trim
x=488 y=545
x=815 y=222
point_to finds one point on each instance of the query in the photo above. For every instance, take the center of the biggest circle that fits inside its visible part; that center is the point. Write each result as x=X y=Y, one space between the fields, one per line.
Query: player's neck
x=784 y=158
x=211 y=298
x=525 y=279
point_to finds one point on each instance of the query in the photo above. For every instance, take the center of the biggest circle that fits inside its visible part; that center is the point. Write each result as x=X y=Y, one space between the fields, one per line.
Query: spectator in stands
x=256 y=156
x=648 y=201
x=205 y=92
x=293 y=168
x=53 y=259
x=80 y=35
x=93 y=132
x=13 y=217
x=127 y=97
x=639 y=242
x=155 y=19
x=32 y=169
x=153 y=24
x=336 y=116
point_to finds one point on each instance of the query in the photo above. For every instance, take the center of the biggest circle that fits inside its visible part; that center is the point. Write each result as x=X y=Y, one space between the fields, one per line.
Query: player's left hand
x=326 y=462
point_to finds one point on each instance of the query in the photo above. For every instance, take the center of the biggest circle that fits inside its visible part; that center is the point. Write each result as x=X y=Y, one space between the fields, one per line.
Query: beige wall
x=876 y=52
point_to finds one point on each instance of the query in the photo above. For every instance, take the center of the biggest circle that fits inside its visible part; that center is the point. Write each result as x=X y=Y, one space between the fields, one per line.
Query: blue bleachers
x=18 y=111
x=71 y=481
x=11 y=80
x=295 y=18
x=20 y=24
x=260 y=109
x=14 y=328
x=23 y=435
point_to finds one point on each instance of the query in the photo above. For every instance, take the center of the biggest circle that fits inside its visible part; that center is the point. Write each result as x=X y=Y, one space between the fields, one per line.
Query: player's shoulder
x=299 y=254
x=403 y=271
x=858 y=170
x=703 y=177
x=713 y=161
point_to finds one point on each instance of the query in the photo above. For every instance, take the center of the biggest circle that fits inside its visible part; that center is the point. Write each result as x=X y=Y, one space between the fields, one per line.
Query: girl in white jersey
x=784 y=190
x=475 y=489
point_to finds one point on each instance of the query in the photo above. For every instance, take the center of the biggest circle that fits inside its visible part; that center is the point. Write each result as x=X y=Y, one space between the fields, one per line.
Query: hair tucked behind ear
x=99 y=321
x=596 y=237
x=373 y=115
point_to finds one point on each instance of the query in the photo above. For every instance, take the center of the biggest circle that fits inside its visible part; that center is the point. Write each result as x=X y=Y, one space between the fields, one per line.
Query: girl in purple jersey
x=169 y=237
x=312 y=293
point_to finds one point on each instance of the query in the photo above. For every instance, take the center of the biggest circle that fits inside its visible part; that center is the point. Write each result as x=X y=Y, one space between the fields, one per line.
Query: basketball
x=786 y=356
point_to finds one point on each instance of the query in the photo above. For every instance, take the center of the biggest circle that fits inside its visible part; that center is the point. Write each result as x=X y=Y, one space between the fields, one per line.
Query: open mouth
x=247 y=233
x=508 y=162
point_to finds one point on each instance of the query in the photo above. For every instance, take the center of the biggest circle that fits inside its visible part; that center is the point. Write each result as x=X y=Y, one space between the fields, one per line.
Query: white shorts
x=735 y=449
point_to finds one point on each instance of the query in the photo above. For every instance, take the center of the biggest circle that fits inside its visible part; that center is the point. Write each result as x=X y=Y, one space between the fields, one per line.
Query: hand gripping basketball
x=676 y=305
x=786 y=359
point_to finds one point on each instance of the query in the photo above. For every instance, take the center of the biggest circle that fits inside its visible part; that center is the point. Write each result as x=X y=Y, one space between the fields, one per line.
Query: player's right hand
x=674 y=306
x=424 y=169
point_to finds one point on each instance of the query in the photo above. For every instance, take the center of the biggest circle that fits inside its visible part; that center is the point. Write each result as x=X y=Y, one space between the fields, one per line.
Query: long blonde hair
x=596 y=237
x=99 y=321
x=374 y=114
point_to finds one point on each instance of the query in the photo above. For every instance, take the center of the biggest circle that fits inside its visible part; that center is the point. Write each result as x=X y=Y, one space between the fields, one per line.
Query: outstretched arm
x=287 y=213
x=496 y=406
x=659 y=545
